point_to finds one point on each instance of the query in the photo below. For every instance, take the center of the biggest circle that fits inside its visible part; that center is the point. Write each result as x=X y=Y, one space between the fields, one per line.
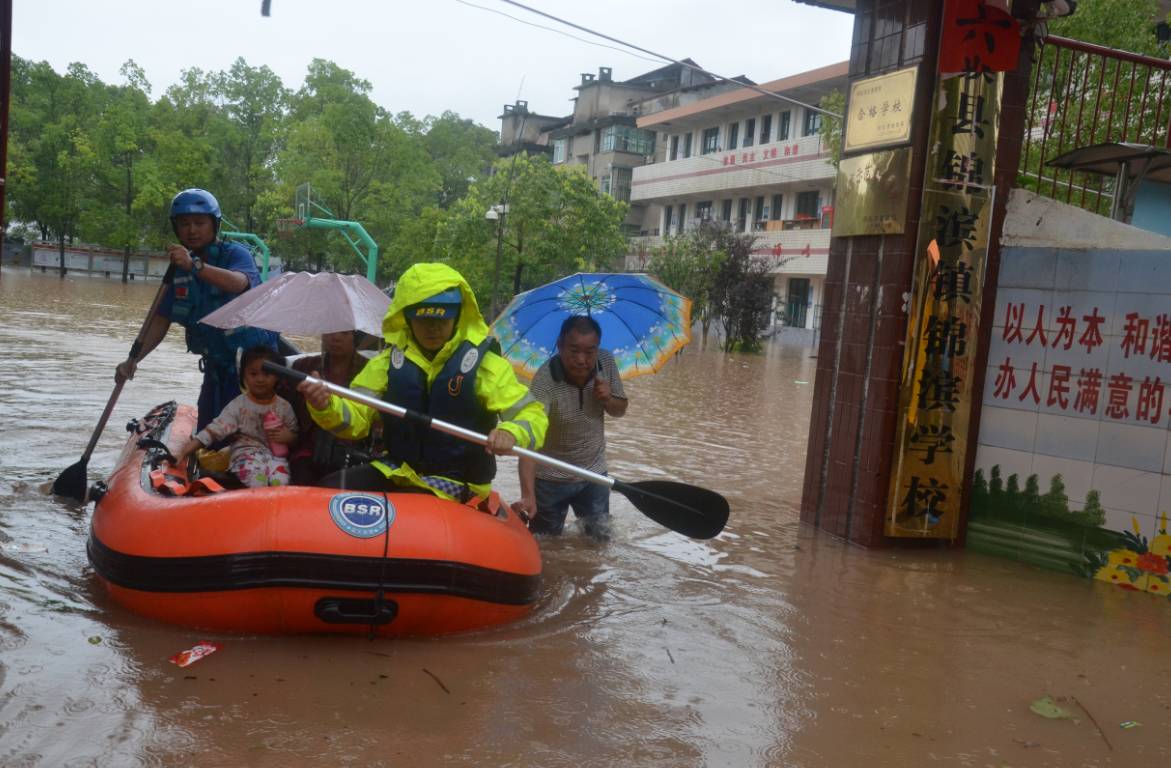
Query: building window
x=627 y=138
x=703 y=210
x=674 y=148
x=742 y=219
x=774 y=211
x=682 y=216
x=726 y=214
x=758 y=214
x=605 y=185
x=667 y=211
x=711 y=141
x=766 y=129
x=733 y=135
x=620 y=184
x=808 y=204
x=687 y=145
x=749 y=131
x=812 y=122
x=560 y=150
x=783 y=126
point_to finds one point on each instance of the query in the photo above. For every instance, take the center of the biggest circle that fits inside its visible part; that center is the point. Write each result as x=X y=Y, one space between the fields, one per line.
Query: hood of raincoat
x=421 y=282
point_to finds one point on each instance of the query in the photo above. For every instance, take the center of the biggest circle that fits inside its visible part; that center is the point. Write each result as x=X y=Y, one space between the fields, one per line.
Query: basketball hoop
x=285 y=227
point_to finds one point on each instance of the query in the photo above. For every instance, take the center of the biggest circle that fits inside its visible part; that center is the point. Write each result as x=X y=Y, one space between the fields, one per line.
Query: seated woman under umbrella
x=344 y=310
x=317 y=452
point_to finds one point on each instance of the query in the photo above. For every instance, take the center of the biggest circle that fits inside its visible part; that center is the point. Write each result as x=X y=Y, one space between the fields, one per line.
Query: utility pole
x=497 y=212
x=5 y=99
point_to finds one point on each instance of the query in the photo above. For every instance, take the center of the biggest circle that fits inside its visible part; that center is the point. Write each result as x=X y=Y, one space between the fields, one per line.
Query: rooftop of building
x=682 y=74
x=807 y=87
x=521 y=109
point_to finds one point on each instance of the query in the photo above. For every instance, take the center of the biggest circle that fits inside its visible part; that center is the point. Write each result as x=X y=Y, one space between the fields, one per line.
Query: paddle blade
x=73 y=482
x=687 y=509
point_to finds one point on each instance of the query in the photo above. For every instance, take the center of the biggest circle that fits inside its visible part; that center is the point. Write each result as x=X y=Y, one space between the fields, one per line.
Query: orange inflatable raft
x=303 y=560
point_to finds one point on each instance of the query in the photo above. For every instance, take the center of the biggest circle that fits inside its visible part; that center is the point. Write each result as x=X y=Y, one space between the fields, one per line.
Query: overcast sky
x=431 y=55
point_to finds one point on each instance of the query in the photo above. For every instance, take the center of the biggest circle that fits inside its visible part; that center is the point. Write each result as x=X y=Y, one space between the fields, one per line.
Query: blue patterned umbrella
x=643 y=321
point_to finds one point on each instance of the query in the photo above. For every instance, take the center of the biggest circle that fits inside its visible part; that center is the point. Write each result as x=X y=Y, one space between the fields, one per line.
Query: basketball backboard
x=303 y=206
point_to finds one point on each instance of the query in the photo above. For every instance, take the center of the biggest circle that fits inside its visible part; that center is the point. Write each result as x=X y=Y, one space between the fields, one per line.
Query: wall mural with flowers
x=1042 y=528
x=1074 y=455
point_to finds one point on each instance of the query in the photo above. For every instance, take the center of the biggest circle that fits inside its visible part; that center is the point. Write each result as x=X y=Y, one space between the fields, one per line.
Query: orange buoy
x=297 y=559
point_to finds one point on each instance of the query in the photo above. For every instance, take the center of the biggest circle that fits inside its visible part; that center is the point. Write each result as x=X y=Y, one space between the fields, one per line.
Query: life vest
x=451 y=398
x=195 y=299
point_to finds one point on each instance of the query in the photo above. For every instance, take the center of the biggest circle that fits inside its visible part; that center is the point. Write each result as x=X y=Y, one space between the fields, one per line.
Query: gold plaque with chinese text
x=880 y=110
x=870 y=197
x=931 y=441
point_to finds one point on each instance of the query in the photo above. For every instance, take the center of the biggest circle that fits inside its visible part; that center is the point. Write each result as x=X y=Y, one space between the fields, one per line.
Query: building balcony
x=790 y=252
x=764 y=165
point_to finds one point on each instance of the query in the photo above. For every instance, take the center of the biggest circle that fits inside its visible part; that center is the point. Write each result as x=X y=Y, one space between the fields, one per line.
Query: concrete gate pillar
x=855 y=419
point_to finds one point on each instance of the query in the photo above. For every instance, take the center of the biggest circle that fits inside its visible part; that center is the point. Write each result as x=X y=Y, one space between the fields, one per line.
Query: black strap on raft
x=380 y=596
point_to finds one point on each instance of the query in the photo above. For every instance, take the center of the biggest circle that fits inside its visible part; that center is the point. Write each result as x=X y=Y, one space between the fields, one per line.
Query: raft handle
x=350 y=610
x=148 y=443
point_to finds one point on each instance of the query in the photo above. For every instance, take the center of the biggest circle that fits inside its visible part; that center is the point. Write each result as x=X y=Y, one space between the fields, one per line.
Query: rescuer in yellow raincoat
x=439 y=361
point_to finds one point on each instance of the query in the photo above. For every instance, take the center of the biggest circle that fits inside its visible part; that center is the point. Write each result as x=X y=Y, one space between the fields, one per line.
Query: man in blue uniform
x=208 y=274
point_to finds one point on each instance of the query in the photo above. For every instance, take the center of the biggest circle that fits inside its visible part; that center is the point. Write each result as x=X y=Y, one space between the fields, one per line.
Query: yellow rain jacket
x=497 y=389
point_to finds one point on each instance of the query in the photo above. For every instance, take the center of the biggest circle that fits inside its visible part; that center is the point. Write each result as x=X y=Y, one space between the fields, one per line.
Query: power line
x=556 y=31
x=663 y=57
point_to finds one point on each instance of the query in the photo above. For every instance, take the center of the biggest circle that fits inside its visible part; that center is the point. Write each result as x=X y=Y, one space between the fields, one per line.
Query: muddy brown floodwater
x=769 y=646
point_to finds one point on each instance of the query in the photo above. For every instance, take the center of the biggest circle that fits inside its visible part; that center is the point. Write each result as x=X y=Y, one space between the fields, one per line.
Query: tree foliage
x=1128 y=25
x=1009 y=502
x=833 y=102
x=99 y=163
x=1080 y=100
x=556 y=222
x=715 y=268
x=688 y=263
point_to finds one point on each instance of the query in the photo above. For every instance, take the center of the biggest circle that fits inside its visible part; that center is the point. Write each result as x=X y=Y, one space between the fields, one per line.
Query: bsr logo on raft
x=361 y=514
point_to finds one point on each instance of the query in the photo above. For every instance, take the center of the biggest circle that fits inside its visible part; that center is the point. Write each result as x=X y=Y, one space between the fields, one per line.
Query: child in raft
x=264 y=424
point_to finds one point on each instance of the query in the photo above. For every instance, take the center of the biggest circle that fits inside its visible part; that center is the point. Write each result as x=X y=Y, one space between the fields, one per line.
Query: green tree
x=688 y=263
x=1031 y=496
x=34 y=91
x=742 y=293
x=979 y=502
x=187 y=127
x=1011 y=501
x=1092 y=513
x=66 y=155
x=1126 y=25
x=254 y=102
x=834 y=103
x=462 y=152
x=1055 y=502
x=1013 y=486
x=995 y=487
x=362 y=165
x=122 y=141
x=556 y=223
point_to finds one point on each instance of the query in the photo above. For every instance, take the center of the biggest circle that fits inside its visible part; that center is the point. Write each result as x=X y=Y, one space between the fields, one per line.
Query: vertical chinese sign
x=944 y=308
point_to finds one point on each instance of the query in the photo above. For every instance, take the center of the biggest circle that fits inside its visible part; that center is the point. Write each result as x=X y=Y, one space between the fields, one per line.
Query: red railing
x=1084 y=94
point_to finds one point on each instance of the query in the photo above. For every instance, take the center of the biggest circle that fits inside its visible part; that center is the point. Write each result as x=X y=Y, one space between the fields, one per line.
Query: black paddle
x=688 y=509
x=73 y=481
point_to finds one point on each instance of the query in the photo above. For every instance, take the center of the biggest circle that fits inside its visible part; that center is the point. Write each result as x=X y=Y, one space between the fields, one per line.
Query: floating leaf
x=95 y=640
x=1046 y=707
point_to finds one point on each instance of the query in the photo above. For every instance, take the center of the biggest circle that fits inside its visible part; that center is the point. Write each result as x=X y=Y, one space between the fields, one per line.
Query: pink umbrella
x=307 y=304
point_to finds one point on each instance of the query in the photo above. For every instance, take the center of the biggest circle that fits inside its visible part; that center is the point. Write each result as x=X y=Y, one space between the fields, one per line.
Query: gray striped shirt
x=577 y=432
